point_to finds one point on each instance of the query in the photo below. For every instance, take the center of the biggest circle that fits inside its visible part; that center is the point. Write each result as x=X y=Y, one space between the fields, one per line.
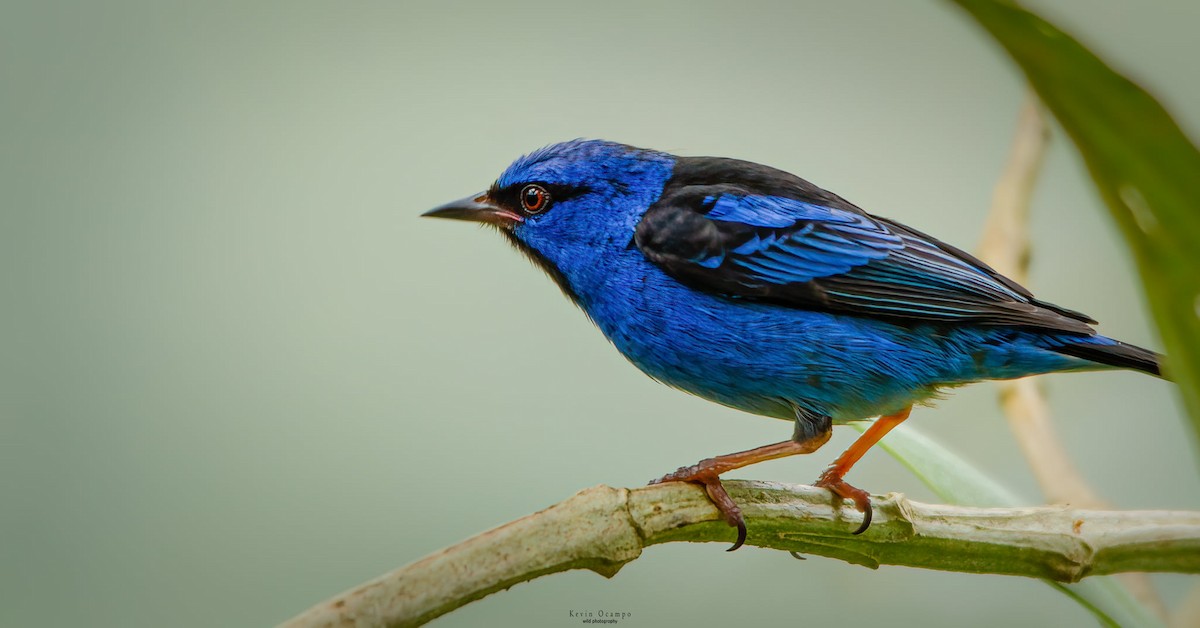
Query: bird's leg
x=812 y=431
x=832 y=477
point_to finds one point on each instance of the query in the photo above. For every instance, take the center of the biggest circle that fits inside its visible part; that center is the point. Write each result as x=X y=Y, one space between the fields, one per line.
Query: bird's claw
x=692 y=473
x=862 y=499
x=701 y=473
x=729 y=509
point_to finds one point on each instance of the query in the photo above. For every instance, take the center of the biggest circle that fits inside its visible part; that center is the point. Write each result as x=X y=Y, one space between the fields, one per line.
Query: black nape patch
x=750 y=178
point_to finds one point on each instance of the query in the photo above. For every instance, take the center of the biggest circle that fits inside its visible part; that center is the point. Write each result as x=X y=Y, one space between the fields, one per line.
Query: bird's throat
x=544 y=263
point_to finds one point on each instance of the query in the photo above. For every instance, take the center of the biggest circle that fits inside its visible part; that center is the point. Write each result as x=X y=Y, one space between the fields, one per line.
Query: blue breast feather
x=769 y=360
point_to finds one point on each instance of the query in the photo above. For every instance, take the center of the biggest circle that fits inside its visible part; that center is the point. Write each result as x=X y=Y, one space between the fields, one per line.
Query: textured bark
x=603 y=528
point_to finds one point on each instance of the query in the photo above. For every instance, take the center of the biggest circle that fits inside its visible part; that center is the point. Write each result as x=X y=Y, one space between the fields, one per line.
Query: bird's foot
x=833 y=481
x=705 y=473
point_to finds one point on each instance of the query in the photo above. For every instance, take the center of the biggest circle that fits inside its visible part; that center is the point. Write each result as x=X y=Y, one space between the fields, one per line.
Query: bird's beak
x=477 y=208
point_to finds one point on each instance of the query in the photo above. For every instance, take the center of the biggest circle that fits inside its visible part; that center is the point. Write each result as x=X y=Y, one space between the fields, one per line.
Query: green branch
x=603 y=528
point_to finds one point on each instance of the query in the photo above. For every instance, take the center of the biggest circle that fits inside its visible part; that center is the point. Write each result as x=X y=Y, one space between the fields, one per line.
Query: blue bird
x=756 y=289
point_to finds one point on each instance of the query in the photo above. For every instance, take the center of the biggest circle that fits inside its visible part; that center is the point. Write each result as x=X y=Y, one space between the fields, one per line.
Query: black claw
x=741 y=540
x=866 y=520
x=797 y=556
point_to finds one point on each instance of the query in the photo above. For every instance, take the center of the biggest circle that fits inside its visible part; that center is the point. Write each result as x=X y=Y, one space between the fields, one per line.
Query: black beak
x=476 y=208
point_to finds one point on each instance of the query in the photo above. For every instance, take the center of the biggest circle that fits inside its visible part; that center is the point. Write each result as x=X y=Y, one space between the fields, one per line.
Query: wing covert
x=814 y=254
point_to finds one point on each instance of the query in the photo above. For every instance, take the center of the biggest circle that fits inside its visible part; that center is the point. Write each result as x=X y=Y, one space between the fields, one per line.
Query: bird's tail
x=1114 y=353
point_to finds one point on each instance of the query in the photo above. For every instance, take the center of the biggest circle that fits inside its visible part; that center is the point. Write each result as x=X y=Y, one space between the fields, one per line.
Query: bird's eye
x=534 y=198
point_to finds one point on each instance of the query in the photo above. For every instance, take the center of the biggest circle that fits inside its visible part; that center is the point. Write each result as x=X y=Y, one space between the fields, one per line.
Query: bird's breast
x=756 y=357
x=737 y=354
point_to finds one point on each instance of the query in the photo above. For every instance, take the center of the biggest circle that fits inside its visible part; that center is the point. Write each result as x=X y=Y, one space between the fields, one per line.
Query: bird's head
x=569 y=205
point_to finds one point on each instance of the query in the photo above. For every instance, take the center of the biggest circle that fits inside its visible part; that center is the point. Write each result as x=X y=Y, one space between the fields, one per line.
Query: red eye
x=534 y=198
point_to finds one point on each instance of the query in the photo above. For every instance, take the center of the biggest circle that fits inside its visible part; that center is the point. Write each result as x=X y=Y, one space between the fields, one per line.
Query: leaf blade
x=1145 y=168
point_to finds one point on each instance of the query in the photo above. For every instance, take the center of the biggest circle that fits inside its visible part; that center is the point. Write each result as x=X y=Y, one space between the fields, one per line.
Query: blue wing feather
x=831 y=256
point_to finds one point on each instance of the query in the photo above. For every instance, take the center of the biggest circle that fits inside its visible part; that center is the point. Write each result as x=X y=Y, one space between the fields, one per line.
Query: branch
x=603 y=528
x=1005 y=247
x=1005 y=243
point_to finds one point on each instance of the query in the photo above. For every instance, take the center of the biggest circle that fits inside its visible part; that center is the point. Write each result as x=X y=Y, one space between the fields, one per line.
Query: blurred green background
x=240 y=375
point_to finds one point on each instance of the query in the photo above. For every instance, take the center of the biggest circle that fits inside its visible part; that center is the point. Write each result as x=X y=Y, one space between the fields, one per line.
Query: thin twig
x=1005 y=246
x=1187 y=614
x=603 y=528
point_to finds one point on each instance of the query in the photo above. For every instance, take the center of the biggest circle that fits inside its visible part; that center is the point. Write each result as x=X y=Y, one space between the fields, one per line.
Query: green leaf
x=958 y=482
x=1146 y=169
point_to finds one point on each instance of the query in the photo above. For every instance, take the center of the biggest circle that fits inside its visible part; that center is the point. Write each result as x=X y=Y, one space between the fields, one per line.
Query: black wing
x=767 y=235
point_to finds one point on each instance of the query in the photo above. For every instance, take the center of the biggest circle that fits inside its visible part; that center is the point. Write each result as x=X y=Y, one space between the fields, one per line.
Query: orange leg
x=706 y=472
x=832 y=477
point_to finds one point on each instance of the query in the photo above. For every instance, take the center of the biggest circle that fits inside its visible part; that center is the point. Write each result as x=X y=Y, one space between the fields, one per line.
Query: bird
x=753 y=288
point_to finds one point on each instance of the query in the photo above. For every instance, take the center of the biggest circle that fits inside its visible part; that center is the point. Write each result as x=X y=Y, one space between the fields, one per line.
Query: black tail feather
x=1120 y=355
